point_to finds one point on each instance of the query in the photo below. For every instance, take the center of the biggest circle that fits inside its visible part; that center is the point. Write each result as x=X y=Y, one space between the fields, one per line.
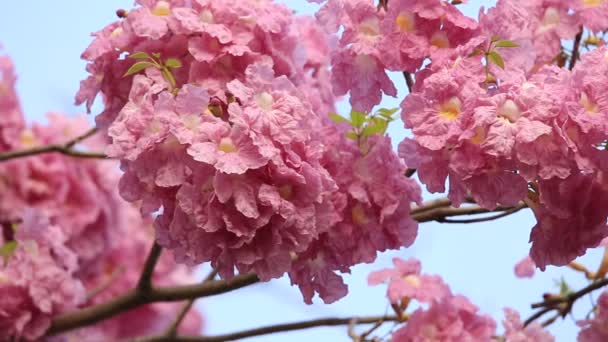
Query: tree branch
x=409 y=81
x=66 y=149
x=145 y=280
x=172 y=329
x=270 y=329
x=563 y=304
x=135 y=298
x=441 y=213
x=575 y=49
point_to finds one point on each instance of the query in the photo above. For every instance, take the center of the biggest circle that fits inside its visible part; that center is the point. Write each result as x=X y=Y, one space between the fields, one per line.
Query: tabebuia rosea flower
x=443 y=315
x=218 y=112
x=594 y=329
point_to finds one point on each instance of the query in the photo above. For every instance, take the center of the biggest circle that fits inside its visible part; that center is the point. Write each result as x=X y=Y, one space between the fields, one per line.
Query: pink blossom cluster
x=11 y=121
x=225 y=133
x=506 y=129
x=595 y=329
x=444 y=316
x=62 y=245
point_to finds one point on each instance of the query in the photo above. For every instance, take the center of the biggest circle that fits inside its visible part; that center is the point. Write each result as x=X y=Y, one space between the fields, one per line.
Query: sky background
x=45 y=40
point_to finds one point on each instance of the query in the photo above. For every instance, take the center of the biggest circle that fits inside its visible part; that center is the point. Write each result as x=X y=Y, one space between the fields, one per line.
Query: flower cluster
x=499 y=126
x=448 y=317
x=63 y=243
x=218 y=114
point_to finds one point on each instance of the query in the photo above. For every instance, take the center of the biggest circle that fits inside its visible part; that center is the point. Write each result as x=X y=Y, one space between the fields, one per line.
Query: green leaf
x=357 y=118
x=387 y=113
x=495 y=39
x=156 y=54
x=137 y=67
x=352 y=135
x=140 y=55
x=8 y=249
x=564 y=289
x=506 y=44
x=378 y=126
x=338 y=118
x=173 y=63
x=496 y=58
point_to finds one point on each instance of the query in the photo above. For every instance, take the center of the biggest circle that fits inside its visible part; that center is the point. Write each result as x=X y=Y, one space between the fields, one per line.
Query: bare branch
x=440 y=214
x=409 y=81
x=145 y=280
x=563 y=304
x=172 y=329
x=271 y=329
x=575 y=49
x=135 y=298
x=66 y=149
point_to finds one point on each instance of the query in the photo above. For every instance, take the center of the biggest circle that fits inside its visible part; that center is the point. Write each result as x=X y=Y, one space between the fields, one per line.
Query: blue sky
x=45 y=39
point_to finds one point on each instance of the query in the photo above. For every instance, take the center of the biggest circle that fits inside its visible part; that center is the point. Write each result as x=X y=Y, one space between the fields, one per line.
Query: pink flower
x=516 y=332
x=11 y=121
x=38 y=279
x=453 y=318
x=571 y=218
x=363 y=76
x=594 y=330
x=405 y=281
x=525 y=268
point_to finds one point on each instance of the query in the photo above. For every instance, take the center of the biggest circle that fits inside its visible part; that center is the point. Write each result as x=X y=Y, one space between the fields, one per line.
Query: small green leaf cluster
x=364 y=125
x=146 y=60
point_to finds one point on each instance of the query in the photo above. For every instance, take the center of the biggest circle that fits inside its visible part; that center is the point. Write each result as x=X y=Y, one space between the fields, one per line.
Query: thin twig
x=537 y=315
x=172 y=329
x=440 y=214
x=66 y=149
x=572 y=296
x=145 y=280
x=433 y=204
x=575 y=49
x=270 y=329
x=409 y=81
x=487 y=218
x=563 y=304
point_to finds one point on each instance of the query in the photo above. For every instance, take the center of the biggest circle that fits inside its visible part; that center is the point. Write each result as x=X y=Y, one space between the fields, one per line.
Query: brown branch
x=409 y=81
x=563 y=304
x=433 y=204
x=575 y=49
x=487 y=218
x=135 y=298
x=271 y=329
x=572 y=297
x=65 y=149
x=172 y=329
x=440 y=214
x=145 y=280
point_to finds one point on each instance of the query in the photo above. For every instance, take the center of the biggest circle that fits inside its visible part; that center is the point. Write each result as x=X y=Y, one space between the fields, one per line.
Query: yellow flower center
x=358 y=215
x=589 y=105
x=27 y=138
x=479 y=137
x=226 y=145
x=406 y=21
x=286 y=192
x=264 y=100
x=162 y=9
x=440 y=40
x=412 y=280
x=207 y=17
x=450 y=109
x=592 y=3
x=550 y=18
x=509 y=111
x=370 y=27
